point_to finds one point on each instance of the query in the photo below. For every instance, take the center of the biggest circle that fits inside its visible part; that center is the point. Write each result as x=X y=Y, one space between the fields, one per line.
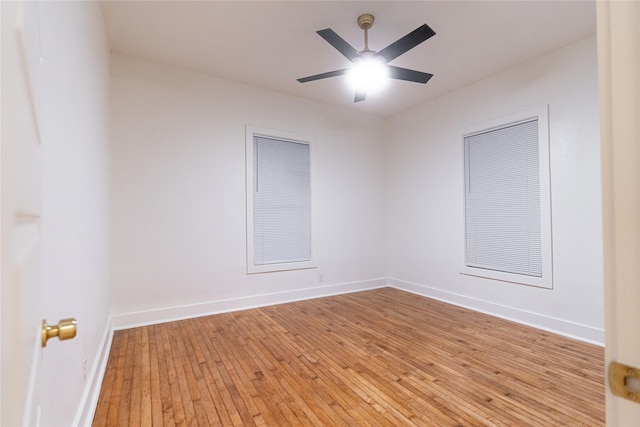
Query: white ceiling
x=272 y=43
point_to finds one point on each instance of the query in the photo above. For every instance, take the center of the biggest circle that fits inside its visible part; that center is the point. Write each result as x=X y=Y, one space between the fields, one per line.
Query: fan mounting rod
x=365 y=22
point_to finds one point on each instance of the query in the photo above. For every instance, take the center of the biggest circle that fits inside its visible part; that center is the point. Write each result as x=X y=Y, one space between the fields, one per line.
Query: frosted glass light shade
x=368 y=75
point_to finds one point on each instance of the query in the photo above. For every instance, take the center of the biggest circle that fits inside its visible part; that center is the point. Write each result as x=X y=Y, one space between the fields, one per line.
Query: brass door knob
x=64 y=330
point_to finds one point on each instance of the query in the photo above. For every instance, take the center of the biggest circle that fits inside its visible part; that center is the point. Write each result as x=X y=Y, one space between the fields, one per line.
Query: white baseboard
x=170 y=314
x=89 y=401
x=558 y=326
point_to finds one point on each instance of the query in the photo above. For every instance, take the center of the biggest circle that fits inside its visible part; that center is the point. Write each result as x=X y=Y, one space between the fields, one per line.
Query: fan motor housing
x=365 y=21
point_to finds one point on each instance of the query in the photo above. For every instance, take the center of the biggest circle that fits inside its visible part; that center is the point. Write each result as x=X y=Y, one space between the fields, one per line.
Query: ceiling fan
x=381 y=58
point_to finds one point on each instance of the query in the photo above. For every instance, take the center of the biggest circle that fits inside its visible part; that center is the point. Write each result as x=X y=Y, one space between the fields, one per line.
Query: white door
x=619 y=69
x=20 y=214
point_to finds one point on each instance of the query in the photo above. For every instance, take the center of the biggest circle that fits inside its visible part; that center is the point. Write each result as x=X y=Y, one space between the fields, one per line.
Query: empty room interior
x=238 y=247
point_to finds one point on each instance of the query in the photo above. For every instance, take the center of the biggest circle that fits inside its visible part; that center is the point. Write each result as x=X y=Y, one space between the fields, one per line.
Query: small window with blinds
x=278 y=202
x=507 y=201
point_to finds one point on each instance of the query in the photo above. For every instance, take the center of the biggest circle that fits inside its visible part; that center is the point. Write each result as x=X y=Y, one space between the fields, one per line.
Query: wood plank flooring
x=379 y=358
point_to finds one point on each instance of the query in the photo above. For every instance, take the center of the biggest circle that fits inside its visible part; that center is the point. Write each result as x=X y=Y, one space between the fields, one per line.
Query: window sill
x=519 y=279
x=289 y=266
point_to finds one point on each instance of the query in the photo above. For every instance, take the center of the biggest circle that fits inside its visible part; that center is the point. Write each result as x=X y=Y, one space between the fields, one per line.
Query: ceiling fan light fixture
x=370 y=71
x=368 y=74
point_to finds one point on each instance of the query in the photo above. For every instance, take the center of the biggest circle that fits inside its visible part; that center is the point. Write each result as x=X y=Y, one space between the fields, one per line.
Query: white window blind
x=502 y=199
x=281 y=201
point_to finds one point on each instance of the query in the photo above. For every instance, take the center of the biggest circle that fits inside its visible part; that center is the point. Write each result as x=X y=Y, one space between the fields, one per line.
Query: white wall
x=425 y=193
x=75 y=225
x=178 y=192
x=387 y=193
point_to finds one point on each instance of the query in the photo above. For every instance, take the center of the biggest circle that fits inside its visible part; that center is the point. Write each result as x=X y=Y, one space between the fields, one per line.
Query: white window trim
x=546 y=281
x=250 y=132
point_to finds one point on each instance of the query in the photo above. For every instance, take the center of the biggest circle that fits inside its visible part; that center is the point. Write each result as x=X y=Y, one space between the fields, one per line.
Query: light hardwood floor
x=379 y=357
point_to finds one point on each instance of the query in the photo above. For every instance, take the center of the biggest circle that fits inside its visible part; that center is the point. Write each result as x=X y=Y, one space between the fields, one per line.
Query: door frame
x=619 y=80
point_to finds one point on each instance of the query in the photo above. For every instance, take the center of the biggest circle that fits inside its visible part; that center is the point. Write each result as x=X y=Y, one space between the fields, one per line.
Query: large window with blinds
x=507 y=200
x=278 y=201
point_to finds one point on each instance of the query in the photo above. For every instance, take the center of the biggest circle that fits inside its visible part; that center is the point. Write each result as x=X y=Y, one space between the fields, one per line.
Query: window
x=507 y=200
x=278 y=201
